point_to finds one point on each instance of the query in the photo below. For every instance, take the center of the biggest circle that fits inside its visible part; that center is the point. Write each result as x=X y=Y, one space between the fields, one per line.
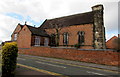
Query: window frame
x=46 y=41
x=15 y=36
x=53 y=40
x=81 y=37
x=65 y=38
x=37 y=41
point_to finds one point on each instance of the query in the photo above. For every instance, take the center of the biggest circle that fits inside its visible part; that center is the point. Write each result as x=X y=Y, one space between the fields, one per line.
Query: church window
x=65 y=38
x=81 y=38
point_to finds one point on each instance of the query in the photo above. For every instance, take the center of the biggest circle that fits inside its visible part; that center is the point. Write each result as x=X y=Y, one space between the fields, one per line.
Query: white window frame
x=15 y=36
x=37 y=41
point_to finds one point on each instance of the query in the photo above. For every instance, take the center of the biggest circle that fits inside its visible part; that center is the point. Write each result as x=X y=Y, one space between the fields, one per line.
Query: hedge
x=9 y=59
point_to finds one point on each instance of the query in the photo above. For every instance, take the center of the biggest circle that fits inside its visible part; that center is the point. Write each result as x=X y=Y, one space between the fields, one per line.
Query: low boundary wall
x=107 y=57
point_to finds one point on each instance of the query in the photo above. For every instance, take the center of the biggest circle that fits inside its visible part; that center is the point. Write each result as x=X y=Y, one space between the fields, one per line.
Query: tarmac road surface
x=62 y=67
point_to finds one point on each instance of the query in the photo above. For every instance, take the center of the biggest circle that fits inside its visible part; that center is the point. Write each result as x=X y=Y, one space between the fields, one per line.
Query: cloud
x=35 y=12
x=111 y=19
x=119 y=17
x=8 y=24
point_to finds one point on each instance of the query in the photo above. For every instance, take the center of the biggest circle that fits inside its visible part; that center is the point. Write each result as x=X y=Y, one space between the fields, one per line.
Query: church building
x=85 y=30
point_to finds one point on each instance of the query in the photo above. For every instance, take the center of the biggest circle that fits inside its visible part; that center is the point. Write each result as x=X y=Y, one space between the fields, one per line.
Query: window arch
x=65 y=38
x=53 y=40
x=81 y=38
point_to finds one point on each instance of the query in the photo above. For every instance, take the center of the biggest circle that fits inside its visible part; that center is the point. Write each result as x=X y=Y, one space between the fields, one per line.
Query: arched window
x=52 y=40
x=65 y=38
x=81 y=38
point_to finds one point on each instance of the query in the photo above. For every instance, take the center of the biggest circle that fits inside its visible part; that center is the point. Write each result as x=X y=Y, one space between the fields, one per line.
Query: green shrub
x=9 y=59
x=77 y=45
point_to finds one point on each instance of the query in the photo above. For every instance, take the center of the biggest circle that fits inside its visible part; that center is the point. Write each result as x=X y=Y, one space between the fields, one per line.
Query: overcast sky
x=35 y=12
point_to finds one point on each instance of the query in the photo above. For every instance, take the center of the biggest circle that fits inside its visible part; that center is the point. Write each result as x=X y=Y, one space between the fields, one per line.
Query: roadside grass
x=0 y=55
x=0 y=61
x=0 y=52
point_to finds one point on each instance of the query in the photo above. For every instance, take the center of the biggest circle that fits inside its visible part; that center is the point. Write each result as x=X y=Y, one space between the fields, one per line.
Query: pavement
x=27 y=72
x=22 y=71
x=37 y=66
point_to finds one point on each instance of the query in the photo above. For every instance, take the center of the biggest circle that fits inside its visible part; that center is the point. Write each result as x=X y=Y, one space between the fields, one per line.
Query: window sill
x=36 y=45
x=40 y=46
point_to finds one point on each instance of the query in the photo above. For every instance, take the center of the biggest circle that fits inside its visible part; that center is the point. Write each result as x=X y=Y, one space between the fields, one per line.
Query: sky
x=35 y=12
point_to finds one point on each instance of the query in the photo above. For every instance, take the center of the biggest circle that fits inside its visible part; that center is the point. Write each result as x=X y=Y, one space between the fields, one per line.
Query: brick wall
x=112 y=43
x=17 y=30
x=73 y=34
x=24 y=39
x=107 y=57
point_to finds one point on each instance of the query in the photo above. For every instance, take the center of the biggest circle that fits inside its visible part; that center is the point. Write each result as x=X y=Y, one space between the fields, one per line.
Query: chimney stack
x=99 y=29
x=25 y=22
x=98 y=7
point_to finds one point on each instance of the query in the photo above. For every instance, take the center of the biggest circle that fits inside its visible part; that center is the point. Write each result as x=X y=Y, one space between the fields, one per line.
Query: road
x=59 y=68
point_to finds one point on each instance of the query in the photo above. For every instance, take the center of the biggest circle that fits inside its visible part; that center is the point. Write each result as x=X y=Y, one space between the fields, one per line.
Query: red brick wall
x=95 y=56
x=73 y=34
x=24 y=39
x=111 y=44
x=17 y=30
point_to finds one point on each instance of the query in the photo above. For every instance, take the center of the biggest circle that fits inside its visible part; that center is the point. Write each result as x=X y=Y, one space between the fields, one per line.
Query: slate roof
x=77 y=19
x=21 y=26
x=37 y=31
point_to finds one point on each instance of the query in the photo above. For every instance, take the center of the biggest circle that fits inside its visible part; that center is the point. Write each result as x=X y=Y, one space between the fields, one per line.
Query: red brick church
x=86 y=30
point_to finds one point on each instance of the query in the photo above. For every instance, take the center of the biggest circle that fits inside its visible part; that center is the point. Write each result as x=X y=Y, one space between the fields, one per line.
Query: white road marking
x=95 y=73
x=21 y=59
x=51 y=64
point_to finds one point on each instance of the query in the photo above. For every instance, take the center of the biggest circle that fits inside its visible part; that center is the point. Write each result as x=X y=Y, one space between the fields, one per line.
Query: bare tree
x=57 y=32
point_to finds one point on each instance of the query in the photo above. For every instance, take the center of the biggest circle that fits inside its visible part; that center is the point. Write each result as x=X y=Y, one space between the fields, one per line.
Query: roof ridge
x=37 y=31
x=70 y=15
x=32 y=26
x=112 y=38
x=65 y=21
